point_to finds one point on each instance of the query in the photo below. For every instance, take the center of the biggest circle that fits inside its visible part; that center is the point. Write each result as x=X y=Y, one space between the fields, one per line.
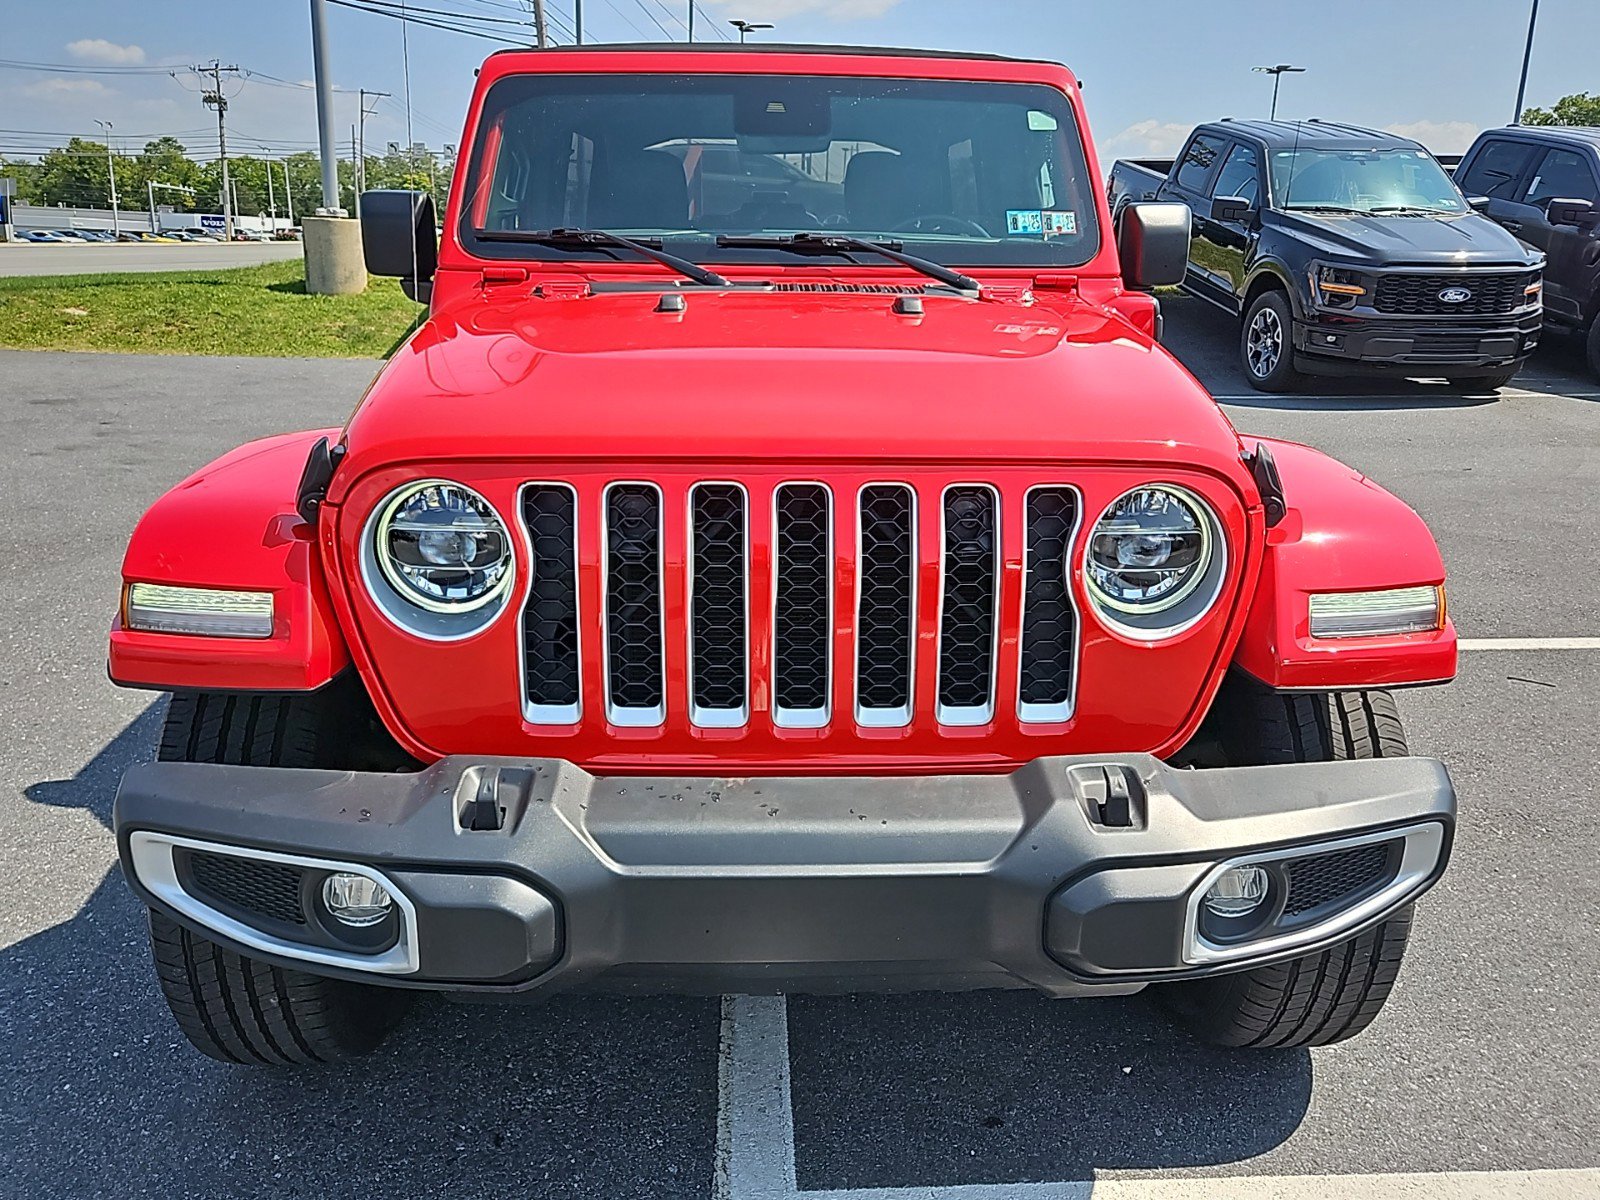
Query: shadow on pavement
x=1002 y=1087
x=579 y=1097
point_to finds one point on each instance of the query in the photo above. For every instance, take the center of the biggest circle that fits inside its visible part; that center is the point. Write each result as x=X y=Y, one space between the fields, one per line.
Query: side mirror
x=1567 y=212
x=1478 y=203
x=397 y=239
x=1153 y=243
x=1231 y=210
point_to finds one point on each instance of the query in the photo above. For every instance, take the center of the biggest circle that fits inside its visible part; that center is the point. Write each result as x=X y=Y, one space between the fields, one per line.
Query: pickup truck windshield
x=962 y=173
x=1367 y=181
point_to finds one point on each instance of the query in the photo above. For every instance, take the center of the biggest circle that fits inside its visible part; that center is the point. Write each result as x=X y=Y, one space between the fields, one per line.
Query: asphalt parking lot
x=1485 y=1060
x=30 y=258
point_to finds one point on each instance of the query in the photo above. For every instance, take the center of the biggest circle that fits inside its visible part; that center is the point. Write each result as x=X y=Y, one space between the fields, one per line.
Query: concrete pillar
x=334 y=266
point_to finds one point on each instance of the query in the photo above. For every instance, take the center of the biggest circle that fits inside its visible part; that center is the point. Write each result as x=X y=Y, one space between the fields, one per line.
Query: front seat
x=640 y=189
x=879 y=190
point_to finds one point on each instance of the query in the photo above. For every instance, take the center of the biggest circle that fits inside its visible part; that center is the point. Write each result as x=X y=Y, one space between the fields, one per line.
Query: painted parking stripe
x=1571 y=643
x=755 y=1148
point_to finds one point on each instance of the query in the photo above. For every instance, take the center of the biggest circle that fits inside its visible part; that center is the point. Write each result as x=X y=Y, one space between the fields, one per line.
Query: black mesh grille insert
x=1342 y=875
x=883 y=629
x=266 y=889
x=967 y=629
x=800 y=626
x=1049 y=625
x=717 y=605
x=633 y=595
x=1490 y=295
x=550 y=622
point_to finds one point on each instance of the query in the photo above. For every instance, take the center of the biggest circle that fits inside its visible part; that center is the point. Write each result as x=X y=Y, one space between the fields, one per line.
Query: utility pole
x=355 y=165
x=111 y=170
x=361 y=152
x=1527 y=57
x=1277 y=73
x=272 y=201
x=577 y=20
x=288 y=195
x=541 y=35
x=319 y=58
x=215 y=99
x=691 y=20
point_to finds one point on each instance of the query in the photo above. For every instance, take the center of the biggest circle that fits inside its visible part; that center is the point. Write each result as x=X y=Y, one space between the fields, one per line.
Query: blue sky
x=1437 y=69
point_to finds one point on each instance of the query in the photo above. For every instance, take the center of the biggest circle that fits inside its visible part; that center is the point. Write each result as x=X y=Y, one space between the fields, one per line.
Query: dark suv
x=1543 y=184
x=1346 y=251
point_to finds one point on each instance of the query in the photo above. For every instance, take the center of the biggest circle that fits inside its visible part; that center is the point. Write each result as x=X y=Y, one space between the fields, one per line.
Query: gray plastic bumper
x=814 y=883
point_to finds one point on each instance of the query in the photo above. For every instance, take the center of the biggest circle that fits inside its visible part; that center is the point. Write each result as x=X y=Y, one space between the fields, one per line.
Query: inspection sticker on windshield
x=1059 y=224
x=1031 y=222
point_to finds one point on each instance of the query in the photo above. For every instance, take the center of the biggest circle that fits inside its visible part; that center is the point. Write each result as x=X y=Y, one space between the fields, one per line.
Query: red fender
x=1342 y=533
x=233 y=524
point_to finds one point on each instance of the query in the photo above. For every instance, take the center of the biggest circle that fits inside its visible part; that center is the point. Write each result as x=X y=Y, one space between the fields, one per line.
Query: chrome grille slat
x=551 y=670
x=886 y=604
x=802 y=609
x=969 y=600
x=719 y=610
x=1048 y=677
x=635 y=666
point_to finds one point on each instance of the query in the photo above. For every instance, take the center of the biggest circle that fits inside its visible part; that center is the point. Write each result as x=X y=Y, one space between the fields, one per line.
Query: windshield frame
x=1281 y=203
x=1015 y=253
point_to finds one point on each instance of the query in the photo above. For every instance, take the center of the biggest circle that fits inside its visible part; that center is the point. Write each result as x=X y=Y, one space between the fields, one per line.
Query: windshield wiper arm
x=843 y=244
x=578 y=238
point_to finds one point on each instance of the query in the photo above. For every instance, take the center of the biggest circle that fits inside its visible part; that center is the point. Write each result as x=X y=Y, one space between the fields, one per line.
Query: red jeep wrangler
x=784 y=559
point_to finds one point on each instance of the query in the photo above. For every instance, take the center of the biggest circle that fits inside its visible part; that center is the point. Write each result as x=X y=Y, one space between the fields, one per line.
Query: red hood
x=798 y=376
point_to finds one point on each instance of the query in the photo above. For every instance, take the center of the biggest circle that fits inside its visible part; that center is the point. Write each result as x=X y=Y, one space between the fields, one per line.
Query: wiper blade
x=1338 y=208
x=1415 y=208
x=843 y=244
x=579 y=238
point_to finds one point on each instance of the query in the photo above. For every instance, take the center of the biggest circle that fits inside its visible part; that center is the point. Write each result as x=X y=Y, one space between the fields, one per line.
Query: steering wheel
x=941 y=223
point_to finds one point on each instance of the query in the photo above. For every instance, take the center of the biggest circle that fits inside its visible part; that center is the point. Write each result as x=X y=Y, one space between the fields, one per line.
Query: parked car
x=286 y=235
x=72 y=235
x=96 y=235
x=1543 y=184
x=41 y=235
x=1345 y=251
x=778 y=609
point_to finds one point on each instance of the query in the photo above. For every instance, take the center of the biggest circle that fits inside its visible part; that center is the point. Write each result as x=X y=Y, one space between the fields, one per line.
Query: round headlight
x=442 y=547
x=1154 y=560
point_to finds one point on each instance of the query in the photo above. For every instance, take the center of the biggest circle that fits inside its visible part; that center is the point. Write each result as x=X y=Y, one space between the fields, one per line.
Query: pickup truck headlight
x=1155 y=561
x=442 y=547
x=1337 y=287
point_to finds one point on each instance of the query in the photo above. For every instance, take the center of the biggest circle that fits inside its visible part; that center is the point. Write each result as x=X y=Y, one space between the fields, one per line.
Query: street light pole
x=361 y=144
x=324 y=80
x=747 y=27
x=111 y=170
x=1277 y=73
x=1527 y=57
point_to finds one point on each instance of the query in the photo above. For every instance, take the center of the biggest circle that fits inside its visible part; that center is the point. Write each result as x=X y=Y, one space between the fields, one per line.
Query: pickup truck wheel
x=1266 y=345
x=235 y=1008
x=1320 y=998
x=1594 y=345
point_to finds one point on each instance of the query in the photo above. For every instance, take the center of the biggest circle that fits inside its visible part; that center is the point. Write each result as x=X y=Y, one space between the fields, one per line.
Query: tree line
x=77 y=175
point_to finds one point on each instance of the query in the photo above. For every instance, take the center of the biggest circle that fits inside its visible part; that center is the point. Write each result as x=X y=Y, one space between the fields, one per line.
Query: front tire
x=1594 y=346
x=1332 y=995
x=1483 y=383
x=1266 y=345
x=231 y=1007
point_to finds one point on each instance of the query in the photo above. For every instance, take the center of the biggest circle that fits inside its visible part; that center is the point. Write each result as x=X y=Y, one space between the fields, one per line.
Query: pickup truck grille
x=773 y=608
x=1418 y=294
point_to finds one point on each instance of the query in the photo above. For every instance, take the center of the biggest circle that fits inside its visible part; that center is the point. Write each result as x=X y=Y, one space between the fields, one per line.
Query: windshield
x=962 y=173
x=1364 y=180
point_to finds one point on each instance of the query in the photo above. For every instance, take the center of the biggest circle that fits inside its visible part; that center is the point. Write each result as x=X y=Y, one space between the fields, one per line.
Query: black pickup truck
x=1543 y=184
x=1346 y=251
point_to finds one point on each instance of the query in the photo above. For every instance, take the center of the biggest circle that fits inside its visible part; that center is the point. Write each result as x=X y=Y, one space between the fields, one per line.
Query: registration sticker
x=1058 y=223
x=1024 y=222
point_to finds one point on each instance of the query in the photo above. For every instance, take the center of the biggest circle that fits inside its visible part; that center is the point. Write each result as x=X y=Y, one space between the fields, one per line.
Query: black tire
x=1594 y=346
x=231 y=1007
x=1320 y=998
x=1483 y=383
x=1266 y=345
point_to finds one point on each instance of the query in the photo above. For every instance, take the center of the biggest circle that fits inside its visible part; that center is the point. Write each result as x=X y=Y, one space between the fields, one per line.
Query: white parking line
x=1572 y=643
x=755 y=1148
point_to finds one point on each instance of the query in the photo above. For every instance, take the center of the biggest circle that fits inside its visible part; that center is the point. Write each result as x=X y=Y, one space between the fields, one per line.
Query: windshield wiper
x=842 y=244
x=580 y=238
x=1416 y=208
x=1338 y=208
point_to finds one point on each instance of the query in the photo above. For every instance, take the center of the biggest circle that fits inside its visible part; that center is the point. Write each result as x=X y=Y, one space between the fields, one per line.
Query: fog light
x=355 y=900
x=1238 y=892
x=209 y=612
x=1377 y=614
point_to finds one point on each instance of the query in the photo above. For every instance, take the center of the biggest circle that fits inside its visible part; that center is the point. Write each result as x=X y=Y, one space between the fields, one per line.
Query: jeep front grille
x=790 y=603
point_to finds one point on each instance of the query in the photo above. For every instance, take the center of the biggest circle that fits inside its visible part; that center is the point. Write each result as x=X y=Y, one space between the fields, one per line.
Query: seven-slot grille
x=1419 y=294
x=819 y=558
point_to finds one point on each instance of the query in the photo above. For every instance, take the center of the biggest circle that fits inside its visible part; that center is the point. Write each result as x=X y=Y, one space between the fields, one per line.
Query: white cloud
x=64 y=88
x=838 y=10
x=1148 y=139
x=1442 y=137
x=101 y=51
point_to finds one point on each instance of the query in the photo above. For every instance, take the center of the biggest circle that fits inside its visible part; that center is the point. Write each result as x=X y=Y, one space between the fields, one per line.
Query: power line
x=401 y=16
x=76 y=69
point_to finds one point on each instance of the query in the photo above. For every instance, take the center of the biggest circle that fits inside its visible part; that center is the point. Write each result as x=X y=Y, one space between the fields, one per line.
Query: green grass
x=261 y=310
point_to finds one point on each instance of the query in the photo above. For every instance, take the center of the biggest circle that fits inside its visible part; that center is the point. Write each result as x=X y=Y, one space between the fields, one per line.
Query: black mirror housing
x=1567 y=212
x=1153 y=243
x=397 y=236
x=1478 y=203
x=1231 y=210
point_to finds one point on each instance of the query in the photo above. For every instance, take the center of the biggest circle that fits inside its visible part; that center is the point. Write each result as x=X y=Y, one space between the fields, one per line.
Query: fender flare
x=1280 y=275
x=232 y=524
x=1341 y=532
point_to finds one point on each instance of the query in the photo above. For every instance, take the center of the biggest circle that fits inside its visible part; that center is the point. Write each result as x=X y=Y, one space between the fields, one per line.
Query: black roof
x=772 y=48
x=1589 y=135
x=1313 y=134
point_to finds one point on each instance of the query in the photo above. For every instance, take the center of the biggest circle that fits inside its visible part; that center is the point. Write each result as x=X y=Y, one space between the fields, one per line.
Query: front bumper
x=800 y=884
x=1358 y=345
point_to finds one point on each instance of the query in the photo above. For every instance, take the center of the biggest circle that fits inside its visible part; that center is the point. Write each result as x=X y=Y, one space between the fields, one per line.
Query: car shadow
x=577 y=1097
x=1005 y=1087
